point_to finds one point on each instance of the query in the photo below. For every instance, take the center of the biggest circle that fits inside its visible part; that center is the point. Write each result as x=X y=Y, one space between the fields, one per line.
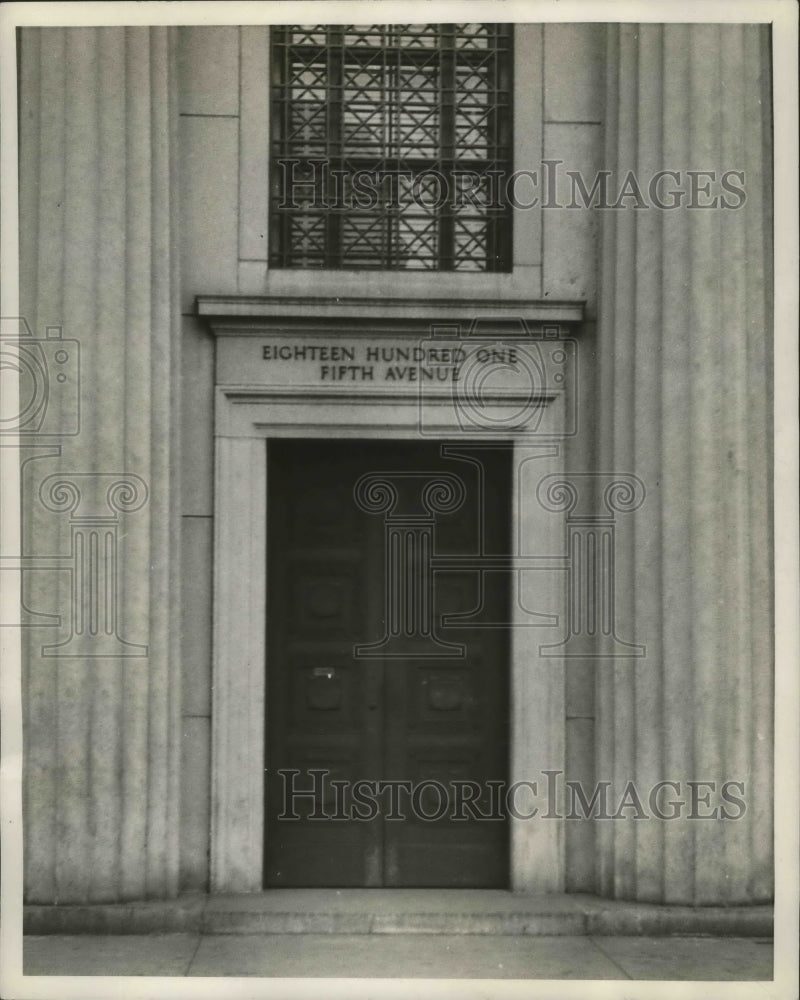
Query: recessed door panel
x=387 y=664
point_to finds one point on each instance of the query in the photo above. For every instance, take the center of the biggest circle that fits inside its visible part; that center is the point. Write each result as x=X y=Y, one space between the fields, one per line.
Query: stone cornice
x=237 y=315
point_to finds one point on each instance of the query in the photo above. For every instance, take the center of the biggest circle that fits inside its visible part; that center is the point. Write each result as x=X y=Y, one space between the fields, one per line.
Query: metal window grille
x=391 y=146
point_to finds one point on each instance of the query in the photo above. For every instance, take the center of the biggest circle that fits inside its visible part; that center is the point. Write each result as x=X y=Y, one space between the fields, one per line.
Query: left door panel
x=323 y=703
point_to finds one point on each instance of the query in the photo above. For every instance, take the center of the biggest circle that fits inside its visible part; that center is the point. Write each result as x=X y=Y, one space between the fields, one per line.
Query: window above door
x=389 y=146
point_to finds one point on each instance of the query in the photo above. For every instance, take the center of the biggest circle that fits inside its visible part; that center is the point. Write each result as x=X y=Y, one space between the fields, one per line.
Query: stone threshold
x=399 y=911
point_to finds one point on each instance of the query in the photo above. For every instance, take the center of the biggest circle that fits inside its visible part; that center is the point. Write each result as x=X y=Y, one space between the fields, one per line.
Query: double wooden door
x=387 y=664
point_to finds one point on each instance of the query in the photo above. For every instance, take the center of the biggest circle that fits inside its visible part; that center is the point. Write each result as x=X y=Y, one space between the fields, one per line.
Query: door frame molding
x=246 y=417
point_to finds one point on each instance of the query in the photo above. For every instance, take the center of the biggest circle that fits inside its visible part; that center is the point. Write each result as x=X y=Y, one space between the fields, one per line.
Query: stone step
x=398 y=911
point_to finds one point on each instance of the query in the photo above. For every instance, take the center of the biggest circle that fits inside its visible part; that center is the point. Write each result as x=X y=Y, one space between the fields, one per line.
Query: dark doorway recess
x=371 y=546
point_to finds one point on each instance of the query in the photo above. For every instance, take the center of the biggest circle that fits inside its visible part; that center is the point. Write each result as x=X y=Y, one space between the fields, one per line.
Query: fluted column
x=685 y=333
x=97 y=267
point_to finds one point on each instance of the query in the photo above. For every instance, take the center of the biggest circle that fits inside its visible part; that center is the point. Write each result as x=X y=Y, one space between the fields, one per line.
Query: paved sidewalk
x=470 y=956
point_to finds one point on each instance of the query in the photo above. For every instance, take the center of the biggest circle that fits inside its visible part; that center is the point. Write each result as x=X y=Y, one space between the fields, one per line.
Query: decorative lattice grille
x=391 y=146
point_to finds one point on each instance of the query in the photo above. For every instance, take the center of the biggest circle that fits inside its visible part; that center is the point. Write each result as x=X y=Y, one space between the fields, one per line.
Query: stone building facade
x=146 y=201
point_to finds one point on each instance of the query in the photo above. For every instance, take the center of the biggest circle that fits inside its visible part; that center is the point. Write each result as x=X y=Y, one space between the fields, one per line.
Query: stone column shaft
x=685 y=333
x=98 y=217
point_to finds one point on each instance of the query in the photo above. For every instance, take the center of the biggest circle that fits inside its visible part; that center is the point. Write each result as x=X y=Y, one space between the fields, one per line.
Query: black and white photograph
x=399 y=554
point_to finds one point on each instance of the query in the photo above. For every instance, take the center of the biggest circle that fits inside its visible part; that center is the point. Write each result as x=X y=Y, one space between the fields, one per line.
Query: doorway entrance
x=387 y=696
